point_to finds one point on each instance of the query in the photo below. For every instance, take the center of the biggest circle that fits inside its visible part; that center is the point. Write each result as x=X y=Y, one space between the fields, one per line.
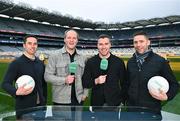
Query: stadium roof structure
x=26 y=12
x=42 y=15
x=144 y=23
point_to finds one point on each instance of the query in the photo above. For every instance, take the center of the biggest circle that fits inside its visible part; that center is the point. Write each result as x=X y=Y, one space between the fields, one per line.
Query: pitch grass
x=173 y=106
x=7 y=103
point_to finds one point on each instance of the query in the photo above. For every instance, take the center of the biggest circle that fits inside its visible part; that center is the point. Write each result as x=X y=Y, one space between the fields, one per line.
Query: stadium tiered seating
x=9 y=49
x=12 y=32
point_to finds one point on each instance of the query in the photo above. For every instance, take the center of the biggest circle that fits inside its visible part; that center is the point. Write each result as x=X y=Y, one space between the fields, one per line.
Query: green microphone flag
x=72 y=67
x=104 y=64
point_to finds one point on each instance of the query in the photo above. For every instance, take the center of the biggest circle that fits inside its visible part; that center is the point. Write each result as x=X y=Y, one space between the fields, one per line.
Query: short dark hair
x=104 y=36
x=141 y=33
x=65 y=33
x=28 y=36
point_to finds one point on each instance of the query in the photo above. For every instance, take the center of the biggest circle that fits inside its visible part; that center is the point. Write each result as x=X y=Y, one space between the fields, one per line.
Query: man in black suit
x=26 y=64
x=142 y=66
x=107 y=83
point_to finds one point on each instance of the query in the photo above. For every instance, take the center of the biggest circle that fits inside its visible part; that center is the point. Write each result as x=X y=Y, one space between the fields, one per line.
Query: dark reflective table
x=78 y=113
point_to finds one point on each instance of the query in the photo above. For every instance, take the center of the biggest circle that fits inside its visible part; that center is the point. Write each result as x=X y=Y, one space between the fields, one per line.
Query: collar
x=106 y=58
x=29 y=56
x=150 y=54
x=28 y=59
x=63 y=50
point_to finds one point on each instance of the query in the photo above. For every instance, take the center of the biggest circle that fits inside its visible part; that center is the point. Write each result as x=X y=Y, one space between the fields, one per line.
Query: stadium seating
x=164 y=39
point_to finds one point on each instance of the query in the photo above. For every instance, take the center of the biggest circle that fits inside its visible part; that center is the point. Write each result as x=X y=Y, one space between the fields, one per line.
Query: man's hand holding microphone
x=72 y=67
x=103 y=66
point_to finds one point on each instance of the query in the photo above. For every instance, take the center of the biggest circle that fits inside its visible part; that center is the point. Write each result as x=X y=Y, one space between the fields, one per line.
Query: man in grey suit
x=66 y=86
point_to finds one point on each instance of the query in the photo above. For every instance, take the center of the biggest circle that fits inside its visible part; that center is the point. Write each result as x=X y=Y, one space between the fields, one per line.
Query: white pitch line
x=7 y=115
x=5 y=94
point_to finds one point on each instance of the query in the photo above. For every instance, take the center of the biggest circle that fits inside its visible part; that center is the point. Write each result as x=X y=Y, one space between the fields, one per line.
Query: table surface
x=88 y=113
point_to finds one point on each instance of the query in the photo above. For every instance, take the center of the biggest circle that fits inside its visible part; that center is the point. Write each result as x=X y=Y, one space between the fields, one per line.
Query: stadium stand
x=164 y=32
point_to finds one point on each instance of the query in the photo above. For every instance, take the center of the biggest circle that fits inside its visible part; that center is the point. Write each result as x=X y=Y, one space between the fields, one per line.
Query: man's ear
x=23 y=45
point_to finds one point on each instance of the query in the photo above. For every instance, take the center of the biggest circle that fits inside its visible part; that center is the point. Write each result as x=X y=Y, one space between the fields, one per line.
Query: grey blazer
x=56 y=71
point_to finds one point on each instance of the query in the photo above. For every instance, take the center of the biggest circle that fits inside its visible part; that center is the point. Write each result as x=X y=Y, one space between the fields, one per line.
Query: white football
x=27 y=80
x=158 y=83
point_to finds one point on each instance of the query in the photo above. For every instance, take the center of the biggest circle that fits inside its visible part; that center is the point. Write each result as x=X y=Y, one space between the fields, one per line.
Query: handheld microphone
x=72 y=68
x=104 y=65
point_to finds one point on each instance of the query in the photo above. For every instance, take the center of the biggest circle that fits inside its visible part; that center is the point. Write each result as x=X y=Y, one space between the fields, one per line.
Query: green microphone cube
x=72 y=67
x=104 y=64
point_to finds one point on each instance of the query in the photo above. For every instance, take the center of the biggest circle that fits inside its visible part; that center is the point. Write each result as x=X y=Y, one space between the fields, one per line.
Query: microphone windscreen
x=104 y=64
x=72 y=67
